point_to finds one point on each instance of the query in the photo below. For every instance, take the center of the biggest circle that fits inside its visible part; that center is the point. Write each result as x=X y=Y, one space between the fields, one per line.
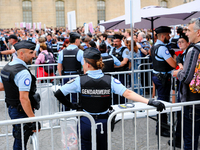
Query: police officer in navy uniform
x=95 y=91
x=20 y=87
x=163 y=64
x=70 y=59
x=122 y=54
x=109 y=61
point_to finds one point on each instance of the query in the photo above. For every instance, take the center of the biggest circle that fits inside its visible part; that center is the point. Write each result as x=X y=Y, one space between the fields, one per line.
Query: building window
x=101 y=7
x=60 y=14
x=27 y=11
x=163 y=4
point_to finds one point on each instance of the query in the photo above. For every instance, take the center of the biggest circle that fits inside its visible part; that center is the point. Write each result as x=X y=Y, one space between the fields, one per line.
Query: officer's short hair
x=73 y=37
x=72 y=40
x=197 y=23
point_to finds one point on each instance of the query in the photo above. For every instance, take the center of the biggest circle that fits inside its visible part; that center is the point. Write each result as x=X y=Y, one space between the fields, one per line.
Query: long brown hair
x=128 y=45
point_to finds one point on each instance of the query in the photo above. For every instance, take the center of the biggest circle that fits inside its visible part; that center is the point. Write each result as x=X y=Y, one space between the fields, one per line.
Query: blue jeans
x=14 y=114
x=86 y=134
x=187 y=130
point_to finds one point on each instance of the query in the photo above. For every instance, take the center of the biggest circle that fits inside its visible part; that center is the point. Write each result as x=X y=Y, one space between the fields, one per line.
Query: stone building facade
x=54 y=12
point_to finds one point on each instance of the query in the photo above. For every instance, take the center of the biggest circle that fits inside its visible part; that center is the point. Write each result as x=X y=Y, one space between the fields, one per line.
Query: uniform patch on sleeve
x=70 y=81
x=27 y=81
x=127 y=52
x=117 y=81
x=166 y=52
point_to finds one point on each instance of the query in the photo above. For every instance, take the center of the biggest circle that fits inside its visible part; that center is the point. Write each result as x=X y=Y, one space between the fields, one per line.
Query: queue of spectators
x=57 y=39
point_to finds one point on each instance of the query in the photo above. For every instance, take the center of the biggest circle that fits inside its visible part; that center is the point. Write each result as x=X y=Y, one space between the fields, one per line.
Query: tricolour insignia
x=27 y=81
x=166 y=52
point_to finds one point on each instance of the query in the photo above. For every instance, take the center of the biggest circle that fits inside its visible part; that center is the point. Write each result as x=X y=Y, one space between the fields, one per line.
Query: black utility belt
x=103 y=116
x=162 y=75
x=164 y=78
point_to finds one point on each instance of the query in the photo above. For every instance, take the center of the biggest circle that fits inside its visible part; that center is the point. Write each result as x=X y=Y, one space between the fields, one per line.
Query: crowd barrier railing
x=144 y=111
x=50 y=105
x=37 y=137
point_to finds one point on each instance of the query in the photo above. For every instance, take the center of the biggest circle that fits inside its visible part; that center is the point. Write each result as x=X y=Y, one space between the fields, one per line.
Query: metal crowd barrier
x=144 y=111
x=49 y=103
x=39 y=138
x=58 y=81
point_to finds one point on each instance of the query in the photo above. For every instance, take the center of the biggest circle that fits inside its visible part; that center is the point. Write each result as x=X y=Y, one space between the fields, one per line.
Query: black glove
x=34 y=126
x=179 y=59
x=75 y=106
x=159 y=105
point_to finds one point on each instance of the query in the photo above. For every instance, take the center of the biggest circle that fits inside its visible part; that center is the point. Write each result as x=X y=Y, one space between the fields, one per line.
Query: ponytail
x=96 y=64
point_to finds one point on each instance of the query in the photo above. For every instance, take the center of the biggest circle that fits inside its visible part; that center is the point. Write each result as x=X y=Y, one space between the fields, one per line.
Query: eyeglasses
x=179 y=42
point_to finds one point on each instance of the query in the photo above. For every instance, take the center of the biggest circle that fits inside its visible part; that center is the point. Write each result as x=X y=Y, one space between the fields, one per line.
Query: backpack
x=48 y=60
x=195 y=82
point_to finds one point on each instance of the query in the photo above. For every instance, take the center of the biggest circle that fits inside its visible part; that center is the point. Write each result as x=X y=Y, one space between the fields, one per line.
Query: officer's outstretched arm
x=26 y=104
x=60 y=96
x=123 y=62
x=135 y=97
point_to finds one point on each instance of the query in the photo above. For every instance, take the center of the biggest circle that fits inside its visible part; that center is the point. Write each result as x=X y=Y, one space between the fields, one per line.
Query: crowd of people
x=92 y=54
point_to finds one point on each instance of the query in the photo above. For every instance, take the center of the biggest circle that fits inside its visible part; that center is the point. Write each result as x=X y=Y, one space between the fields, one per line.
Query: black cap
x=13 y=36
x=163 y=29
x=117 y=36
x=74 y=35
x=89 y=34
x=92 y=53
x=182 y=35
x=25 y=45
